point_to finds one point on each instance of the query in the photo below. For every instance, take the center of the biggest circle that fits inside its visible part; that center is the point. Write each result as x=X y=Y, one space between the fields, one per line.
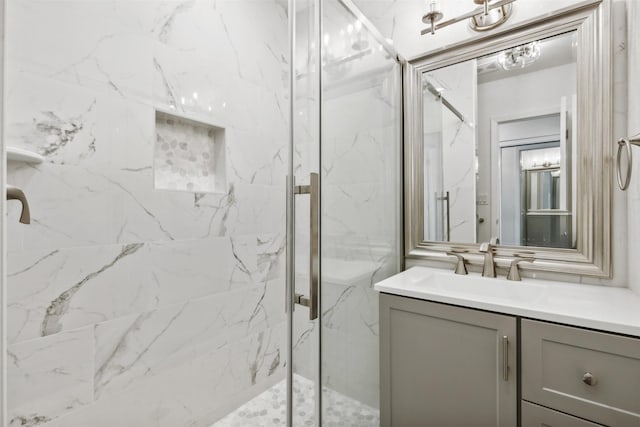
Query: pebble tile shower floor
x=268 y=409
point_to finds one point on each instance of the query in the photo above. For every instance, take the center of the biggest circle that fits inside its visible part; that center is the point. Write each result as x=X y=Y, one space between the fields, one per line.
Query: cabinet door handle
x=505 y=358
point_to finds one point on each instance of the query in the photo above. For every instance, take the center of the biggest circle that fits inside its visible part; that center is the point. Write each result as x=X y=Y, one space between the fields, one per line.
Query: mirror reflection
x=499 y=147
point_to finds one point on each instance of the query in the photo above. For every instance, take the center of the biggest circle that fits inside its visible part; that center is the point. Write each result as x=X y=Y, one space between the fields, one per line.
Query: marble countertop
x=597 y=307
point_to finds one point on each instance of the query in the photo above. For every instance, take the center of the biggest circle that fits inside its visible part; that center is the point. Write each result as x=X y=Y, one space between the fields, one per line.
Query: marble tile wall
x=165 y=305
x=458 y=140
x=360 y=172
x=360 y=229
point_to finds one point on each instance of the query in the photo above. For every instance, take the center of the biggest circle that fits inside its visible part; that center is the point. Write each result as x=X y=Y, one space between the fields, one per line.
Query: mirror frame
x=592 y=257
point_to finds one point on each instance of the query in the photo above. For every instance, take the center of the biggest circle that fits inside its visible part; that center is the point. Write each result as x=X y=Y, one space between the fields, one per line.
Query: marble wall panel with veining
x=350 y=326
x=458 y=142
x=90 y=44
x=63 y=289
x=55 y=376
x=73 y=206
x=459 y=160
x=51 y=291
x=184 y=291
x=132 y=349
x=360 y=161
x=194 y=393
x=360 y=172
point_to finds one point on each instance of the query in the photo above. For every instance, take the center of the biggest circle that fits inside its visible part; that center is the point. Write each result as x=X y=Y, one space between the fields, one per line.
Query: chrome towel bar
x=626 y=142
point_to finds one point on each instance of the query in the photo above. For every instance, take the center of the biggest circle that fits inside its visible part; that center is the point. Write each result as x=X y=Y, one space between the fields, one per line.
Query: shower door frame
x=315 y=250
x=3 y=232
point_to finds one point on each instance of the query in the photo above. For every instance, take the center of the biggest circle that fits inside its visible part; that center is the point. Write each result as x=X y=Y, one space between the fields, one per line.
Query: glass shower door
x=346 y=120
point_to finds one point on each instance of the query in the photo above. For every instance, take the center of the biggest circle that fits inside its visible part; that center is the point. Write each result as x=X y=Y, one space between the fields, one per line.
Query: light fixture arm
x=431 y=18
x=433 y=15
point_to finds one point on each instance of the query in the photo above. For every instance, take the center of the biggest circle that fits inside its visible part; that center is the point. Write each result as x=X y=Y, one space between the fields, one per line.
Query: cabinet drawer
x=539 y=416
x=556 y=364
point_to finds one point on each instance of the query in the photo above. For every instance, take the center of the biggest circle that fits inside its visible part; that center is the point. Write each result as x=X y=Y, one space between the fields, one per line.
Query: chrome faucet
x=461 y=268
x=488 y=267
x=514 y=272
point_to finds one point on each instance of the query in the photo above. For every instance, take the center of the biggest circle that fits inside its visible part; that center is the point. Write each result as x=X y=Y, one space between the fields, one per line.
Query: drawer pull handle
x=589 y=379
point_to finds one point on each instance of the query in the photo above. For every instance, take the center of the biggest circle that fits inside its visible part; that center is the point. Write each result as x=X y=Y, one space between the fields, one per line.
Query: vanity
x=508 y=172
x=472 y=351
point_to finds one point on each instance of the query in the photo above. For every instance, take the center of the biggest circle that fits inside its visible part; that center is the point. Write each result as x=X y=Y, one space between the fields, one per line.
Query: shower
x=151 y=277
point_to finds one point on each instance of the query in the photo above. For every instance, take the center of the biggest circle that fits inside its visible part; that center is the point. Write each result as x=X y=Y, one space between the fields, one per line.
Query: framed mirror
x=509 y=137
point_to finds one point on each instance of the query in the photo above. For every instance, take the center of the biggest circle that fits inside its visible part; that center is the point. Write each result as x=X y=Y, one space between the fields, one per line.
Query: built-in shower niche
x=189 y=155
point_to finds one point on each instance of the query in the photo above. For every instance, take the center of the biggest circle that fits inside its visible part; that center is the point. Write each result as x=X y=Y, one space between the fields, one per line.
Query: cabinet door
x=539 y=416
x=446 y=366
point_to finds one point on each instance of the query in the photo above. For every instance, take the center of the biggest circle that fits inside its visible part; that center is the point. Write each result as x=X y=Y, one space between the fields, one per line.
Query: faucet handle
x=461 y=268
x=487 y=246
x=514 y=272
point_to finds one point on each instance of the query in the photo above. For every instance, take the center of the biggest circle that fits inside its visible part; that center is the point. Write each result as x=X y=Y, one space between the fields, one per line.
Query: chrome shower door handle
x=313 y=189
x=14 y=193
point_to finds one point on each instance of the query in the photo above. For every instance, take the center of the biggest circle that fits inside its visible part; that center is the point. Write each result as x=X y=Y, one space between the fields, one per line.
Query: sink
x=474 y=286
x=597 y=307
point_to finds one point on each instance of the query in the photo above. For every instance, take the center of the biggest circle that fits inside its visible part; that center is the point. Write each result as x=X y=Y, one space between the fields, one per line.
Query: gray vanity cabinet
x=589 y=374
x=446 y=366
x=538 y=416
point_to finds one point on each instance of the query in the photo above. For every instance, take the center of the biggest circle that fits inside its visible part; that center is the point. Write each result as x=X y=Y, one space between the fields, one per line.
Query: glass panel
x=306 y=137
x=360 y=175
x=148 y=289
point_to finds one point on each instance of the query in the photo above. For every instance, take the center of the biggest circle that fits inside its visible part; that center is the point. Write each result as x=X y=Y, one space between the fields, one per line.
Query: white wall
x=401 y=21
x=633 y=89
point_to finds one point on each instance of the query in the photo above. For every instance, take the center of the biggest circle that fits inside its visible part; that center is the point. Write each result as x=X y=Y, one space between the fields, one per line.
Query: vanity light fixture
x=486 y=17
x=519 y=56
